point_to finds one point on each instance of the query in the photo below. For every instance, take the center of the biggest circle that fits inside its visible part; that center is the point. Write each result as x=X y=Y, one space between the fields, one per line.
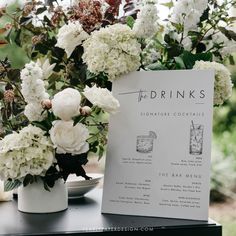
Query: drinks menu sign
x=159 y=146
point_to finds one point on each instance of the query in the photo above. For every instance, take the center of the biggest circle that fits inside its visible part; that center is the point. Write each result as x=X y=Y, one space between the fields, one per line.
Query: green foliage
x=11 y=184
x=29 y=179
x=223 y=183
x=156 y=66
x=130 y=21
x=169 y=4
x=223 y=173
x=16 y=54
x=188 y=59
x=230 y=34
x=225 y=116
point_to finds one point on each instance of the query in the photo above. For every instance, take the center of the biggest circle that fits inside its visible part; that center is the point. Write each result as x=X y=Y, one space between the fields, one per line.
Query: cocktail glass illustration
x=145 y=142
x=196 y=139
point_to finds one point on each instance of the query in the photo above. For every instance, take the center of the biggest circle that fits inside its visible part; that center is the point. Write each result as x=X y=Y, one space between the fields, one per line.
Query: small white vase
x=35 y=199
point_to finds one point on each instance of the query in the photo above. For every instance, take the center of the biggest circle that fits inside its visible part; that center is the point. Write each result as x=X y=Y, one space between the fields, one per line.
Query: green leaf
x=11 y=184
x=179 y=63
x=45 y=125
x=29 y=179
x=230 y=34
x=178 y=26
x=17 y=38
x=13 y=74
x=46 y=187
x=41 y=10
x=130 y=21
x=8 y=36
x=205 y=15
x=95 y=143
x=49 y=2
x=43 y=49
x=1 y=94
x=231 y=60
x=189 y=59
x=25 y=20
x=78 y=119
x=155 y=66
x=167 y=38
x=232 y=19
x=46 y=20
x=100 y=152
x=168 y=4
x=201 y=47
x=51 y=117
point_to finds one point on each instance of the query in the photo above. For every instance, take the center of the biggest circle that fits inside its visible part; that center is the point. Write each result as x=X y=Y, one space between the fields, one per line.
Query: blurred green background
x=223 y=174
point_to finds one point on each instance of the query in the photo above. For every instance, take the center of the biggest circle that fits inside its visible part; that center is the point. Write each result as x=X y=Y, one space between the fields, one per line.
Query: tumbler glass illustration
x=145 y=142
x=196 y=139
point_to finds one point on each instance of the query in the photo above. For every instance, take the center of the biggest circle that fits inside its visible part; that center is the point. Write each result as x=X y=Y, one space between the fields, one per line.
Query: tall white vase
x=35 y=199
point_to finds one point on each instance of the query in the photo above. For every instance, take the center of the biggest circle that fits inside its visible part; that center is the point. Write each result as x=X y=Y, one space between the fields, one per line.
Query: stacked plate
x=78 y=186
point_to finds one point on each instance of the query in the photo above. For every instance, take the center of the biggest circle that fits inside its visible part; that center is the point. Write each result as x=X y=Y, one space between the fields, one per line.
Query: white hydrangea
x=68 y=138
x=113 y=50
x=102 y=98
x=146 y=24
x=33 y=90
x=70 y=36
x=223 y=84
x=26 y=152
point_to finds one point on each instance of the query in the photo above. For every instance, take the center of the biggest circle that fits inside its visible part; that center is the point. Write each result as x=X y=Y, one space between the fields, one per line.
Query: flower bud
x=37 y=39
x=2 y=11
x=8 y=26
x=28 y=8
x=85 y=111
x=46 y=104
x=9 y=96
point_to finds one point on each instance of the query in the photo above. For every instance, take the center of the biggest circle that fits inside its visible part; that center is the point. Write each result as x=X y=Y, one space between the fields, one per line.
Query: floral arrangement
x=54 y=110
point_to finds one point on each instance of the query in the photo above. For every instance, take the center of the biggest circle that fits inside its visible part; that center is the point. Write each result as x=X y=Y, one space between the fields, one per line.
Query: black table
x=84 y=217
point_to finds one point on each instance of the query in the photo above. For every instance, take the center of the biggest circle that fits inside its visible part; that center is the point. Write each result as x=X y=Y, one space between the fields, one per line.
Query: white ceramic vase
x=35 y=199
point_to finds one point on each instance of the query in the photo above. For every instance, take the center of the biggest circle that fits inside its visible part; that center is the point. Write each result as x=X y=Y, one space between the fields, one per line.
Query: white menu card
x=159 y=145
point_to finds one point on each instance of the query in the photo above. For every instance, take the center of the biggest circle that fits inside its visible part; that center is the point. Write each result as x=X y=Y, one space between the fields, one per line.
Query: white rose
x=70 y=36
x=68 y=138
x=102 y=98
x=66 y=104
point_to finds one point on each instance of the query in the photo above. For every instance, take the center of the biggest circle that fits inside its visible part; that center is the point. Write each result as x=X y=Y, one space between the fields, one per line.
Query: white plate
x=77 y=192
x=78 y=187
x=75 y=181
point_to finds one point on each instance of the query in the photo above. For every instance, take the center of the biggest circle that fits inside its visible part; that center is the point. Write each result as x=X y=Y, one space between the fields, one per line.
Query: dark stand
x=84 y=217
